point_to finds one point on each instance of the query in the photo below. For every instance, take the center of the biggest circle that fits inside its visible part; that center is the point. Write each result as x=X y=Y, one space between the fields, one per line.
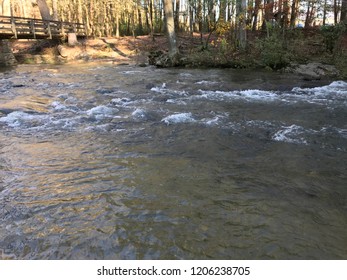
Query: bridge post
x=13 y=26
x=72 y=39
x=32 y=28
x=6 y=55
x=49 y=29
x=72 y=36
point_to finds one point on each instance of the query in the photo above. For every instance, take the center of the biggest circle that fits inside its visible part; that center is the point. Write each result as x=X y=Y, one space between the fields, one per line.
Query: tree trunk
x=269 y=10
x=211 y=16
x=324 y=12
x=222 y=9
x=150 y=3
x=269 y=13
x=177 y=15
x=79 y=12
x=241 y=6
x=279 y=12
x=343 y=17
x=255 y=14
x=170 y=27
x=44 y=10
x=199 y=16
x=336 y=11
x=294 y=13
x=55 y=9
x=117 y=25
x=285 y=16
x=6 y=8
x=139 y=21
x=191 y=17
x=309 y=14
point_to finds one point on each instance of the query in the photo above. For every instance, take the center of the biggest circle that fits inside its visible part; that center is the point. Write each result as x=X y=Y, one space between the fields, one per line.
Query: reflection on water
x=98 y=162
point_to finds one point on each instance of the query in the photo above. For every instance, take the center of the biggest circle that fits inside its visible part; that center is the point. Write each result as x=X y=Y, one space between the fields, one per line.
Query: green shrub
x=331 y=35
x=272 y=52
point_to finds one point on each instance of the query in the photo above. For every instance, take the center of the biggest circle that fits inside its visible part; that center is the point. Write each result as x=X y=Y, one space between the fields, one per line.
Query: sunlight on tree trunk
x=44 y=10
x=6 y=7
x=241 y=23
x=170 y=27
x=55 y=9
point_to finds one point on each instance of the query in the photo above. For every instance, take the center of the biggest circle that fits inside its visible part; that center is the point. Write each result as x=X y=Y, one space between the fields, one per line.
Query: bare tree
x=170 y=27
x=294 y=13
x=343 y=17
x=6 y=8
x=222 y=11
x=44 y=10
x=55 y=9
x=241 y=35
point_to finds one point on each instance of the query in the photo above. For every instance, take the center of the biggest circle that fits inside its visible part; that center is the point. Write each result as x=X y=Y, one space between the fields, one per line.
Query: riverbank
x=306 y=53
x=122 y=50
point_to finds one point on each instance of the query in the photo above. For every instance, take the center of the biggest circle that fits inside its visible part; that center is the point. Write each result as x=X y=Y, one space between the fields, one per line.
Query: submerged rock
x=313 y=70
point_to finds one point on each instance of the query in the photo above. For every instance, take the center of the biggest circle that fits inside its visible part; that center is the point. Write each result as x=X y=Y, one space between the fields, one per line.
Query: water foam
x=337 y=87
x=290 y=134
x=130 y=72
x=249 y=95
x=335 y=91
x=102 y=111
x=58 y=106
x=139 y=113
x=121 y=102
x=204 y=82
x=160 y=89
x=176 y=101
x=211 y=122
x=19 y=118
x=65 y=123
x=178 y=118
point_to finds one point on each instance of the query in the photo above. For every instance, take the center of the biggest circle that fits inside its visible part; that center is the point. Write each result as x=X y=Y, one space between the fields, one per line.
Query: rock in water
x=313 y=70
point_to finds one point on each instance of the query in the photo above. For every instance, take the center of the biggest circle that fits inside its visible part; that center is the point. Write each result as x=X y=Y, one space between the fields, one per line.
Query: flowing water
x=105 y=162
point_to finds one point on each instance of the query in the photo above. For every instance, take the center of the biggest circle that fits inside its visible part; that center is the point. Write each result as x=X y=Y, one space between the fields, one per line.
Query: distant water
x=103 y=162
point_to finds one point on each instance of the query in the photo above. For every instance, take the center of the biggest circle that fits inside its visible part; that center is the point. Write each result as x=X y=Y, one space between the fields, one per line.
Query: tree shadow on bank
x=114 y=48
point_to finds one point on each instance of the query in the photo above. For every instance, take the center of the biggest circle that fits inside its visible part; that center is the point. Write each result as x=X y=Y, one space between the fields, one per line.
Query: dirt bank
x=115 y=50
x=196 y=51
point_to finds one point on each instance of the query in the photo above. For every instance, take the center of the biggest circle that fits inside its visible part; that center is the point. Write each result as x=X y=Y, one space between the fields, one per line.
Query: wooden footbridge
x=30 y=28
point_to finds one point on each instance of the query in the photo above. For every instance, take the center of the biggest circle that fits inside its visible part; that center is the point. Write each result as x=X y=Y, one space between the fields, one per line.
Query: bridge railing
x=30 y=28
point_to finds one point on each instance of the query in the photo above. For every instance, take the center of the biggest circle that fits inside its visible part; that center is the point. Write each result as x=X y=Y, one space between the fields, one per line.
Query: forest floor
x=198 y=50
x=127 y=49
x=120 y=50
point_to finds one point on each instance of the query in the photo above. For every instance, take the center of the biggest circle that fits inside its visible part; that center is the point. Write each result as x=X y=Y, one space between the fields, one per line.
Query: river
x=105 y=162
